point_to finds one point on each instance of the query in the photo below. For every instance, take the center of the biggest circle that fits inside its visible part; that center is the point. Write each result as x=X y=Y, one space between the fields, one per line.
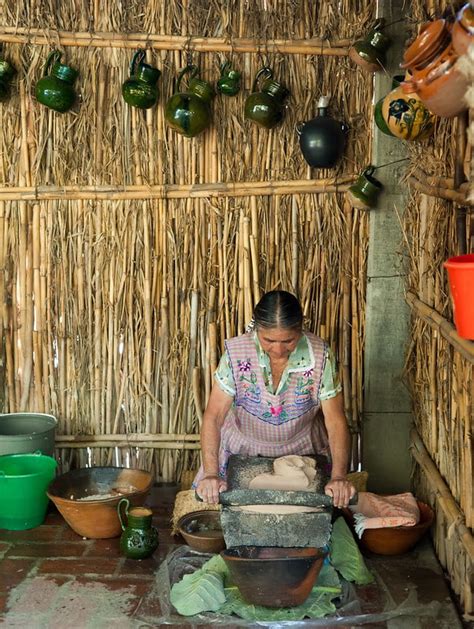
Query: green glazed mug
x=363 y=194
x=55 y=89
x=139 y=538
x=229 y=83
x=140 y=89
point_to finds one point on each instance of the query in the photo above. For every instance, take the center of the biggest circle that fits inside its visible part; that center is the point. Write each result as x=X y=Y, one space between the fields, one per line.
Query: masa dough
x=290 y=473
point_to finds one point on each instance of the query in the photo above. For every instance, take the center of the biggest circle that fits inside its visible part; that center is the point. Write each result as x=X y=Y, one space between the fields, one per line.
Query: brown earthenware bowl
x=274 y=577
x=202 y=531
x=87 y=498
x=394 y=540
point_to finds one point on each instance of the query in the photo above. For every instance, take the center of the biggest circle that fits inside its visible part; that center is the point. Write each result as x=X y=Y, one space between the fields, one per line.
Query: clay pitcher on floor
x=139 y=538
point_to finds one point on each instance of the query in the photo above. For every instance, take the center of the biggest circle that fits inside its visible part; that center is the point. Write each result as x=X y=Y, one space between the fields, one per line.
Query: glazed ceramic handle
x=125 y=502
x=53 y=57
x=137 y=60
x=299 y=127
x=192 y=69
x=265 y=72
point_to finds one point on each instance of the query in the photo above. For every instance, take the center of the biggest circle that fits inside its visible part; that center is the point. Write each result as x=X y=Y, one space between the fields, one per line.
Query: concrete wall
x=387 y=407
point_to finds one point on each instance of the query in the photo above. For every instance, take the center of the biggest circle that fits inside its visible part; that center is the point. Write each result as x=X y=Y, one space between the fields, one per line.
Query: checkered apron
x=262 y=423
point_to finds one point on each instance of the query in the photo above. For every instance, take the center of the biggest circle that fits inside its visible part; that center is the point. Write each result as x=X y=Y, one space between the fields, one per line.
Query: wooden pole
x=19 y=35
x=174 y=191
x=439 y=192
x=442 y=325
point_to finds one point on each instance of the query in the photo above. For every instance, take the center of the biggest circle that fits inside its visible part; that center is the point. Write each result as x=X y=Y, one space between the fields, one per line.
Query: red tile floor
x=52 y=578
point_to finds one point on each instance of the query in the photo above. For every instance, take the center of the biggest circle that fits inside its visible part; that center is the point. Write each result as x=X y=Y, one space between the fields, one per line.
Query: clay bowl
x=202 y=531
x=274 y=577
x=396 y=540
x=87 y=498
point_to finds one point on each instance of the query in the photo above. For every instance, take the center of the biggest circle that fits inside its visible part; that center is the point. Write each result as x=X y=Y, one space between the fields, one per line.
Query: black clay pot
x=322 y=139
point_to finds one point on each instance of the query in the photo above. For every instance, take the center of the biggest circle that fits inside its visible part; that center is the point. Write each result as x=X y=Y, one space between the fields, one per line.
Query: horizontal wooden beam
x=439 y=191
x=174 y=191
x=442 y=325
x=133 y=440
x=445 y=499
x=313 y=46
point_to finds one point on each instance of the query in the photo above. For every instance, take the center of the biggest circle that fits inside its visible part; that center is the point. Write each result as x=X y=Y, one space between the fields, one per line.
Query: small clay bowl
x=394 y=540
x=87 y=498
x=274 y=577
x=202 y=531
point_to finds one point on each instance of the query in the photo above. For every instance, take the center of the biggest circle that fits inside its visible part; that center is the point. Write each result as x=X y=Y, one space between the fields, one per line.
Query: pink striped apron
x=262 y=423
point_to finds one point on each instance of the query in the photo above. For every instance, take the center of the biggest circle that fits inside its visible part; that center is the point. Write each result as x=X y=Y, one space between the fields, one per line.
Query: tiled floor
x=51 y=578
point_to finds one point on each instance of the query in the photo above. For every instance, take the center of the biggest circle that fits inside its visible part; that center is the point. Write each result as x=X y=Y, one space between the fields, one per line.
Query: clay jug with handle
x=7 y=72
x=139 y=538
x=322 y=139
x=189 y=112
x=140 y=90
x=56 y=88
x=265 y=107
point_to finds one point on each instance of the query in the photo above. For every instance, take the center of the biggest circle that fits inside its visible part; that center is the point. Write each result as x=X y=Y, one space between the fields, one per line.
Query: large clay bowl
x=202 y=531
x=395 y=540
x=274 y=577
x=97 y=518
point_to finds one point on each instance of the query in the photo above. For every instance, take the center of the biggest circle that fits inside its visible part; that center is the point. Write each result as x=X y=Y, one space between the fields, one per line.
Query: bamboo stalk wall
x=129 y=253
x=439 y=223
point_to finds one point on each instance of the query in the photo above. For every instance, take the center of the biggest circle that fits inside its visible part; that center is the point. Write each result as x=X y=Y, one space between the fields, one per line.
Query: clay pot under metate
x=432 y=61
x=55 y=89
x=140 y=90
x=322 y=139
x=463 y=29
x=266 y=107
x=139 y=538
x=7 y=72
x=402 y=114
x=189 y=112
x=369 y=52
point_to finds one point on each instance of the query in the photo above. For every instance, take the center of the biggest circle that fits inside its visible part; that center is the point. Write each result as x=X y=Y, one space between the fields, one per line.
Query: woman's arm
x=217 y=408
x=340 y=445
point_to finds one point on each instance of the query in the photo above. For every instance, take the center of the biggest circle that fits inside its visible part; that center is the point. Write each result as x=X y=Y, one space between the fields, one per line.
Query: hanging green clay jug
x=266 y=107
x=55 y=89
x=7 y=72
x=139 y=538
x=402 y=114
x=189 y=112
x=369 y=52
x=140 y=90
x=229 y=83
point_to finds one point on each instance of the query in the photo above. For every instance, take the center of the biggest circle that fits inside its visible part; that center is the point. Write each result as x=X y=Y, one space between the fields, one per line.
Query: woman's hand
x=210 y=487
x=341 y=491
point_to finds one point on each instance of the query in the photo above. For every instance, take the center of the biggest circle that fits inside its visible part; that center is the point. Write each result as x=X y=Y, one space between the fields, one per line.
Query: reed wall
x=129 y=253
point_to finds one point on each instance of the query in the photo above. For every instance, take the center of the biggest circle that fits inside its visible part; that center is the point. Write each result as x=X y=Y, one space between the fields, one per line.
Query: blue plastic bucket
x=24 y=479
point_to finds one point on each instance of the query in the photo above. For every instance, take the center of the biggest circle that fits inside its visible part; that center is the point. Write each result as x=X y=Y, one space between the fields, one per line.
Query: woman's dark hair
x=278 y=309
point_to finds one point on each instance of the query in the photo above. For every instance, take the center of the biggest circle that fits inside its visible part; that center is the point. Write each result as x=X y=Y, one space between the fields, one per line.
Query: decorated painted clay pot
x=139 y=538
x=265 y=107
x=369 y=52
x=402 y=114
x=55 y=89
x=435 y=77
x=463 y=29
x=189 y=112
x=7 y=72
x=229 y=82
x=140 y=90
x=322 y=139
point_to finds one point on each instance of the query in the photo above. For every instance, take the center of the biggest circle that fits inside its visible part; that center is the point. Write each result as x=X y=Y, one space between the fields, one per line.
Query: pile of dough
x=290 y=473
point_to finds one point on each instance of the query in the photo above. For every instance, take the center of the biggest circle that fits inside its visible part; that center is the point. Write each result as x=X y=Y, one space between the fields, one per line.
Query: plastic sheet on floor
x=183 y=560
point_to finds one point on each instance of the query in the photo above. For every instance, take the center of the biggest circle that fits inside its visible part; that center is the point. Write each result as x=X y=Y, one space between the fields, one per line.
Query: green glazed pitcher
x=55 y=89
x=266 y=107
x=139 y=538
x=363 y=194
x=189 y=112
x=7 y=72
x=140 y=90
x=369 y=52
x=229 y=83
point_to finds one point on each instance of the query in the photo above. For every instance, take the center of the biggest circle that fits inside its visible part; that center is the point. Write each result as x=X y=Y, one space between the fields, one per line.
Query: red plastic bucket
x=461 y=283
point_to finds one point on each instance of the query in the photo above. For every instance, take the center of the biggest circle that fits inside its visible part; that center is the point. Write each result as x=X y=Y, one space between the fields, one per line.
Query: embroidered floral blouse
x=301 y=359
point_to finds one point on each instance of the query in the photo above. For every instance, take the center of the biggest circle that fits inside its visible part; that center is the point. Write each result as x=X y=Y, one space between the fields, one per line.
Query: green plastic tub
x=24 y=479
x=27 y=432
